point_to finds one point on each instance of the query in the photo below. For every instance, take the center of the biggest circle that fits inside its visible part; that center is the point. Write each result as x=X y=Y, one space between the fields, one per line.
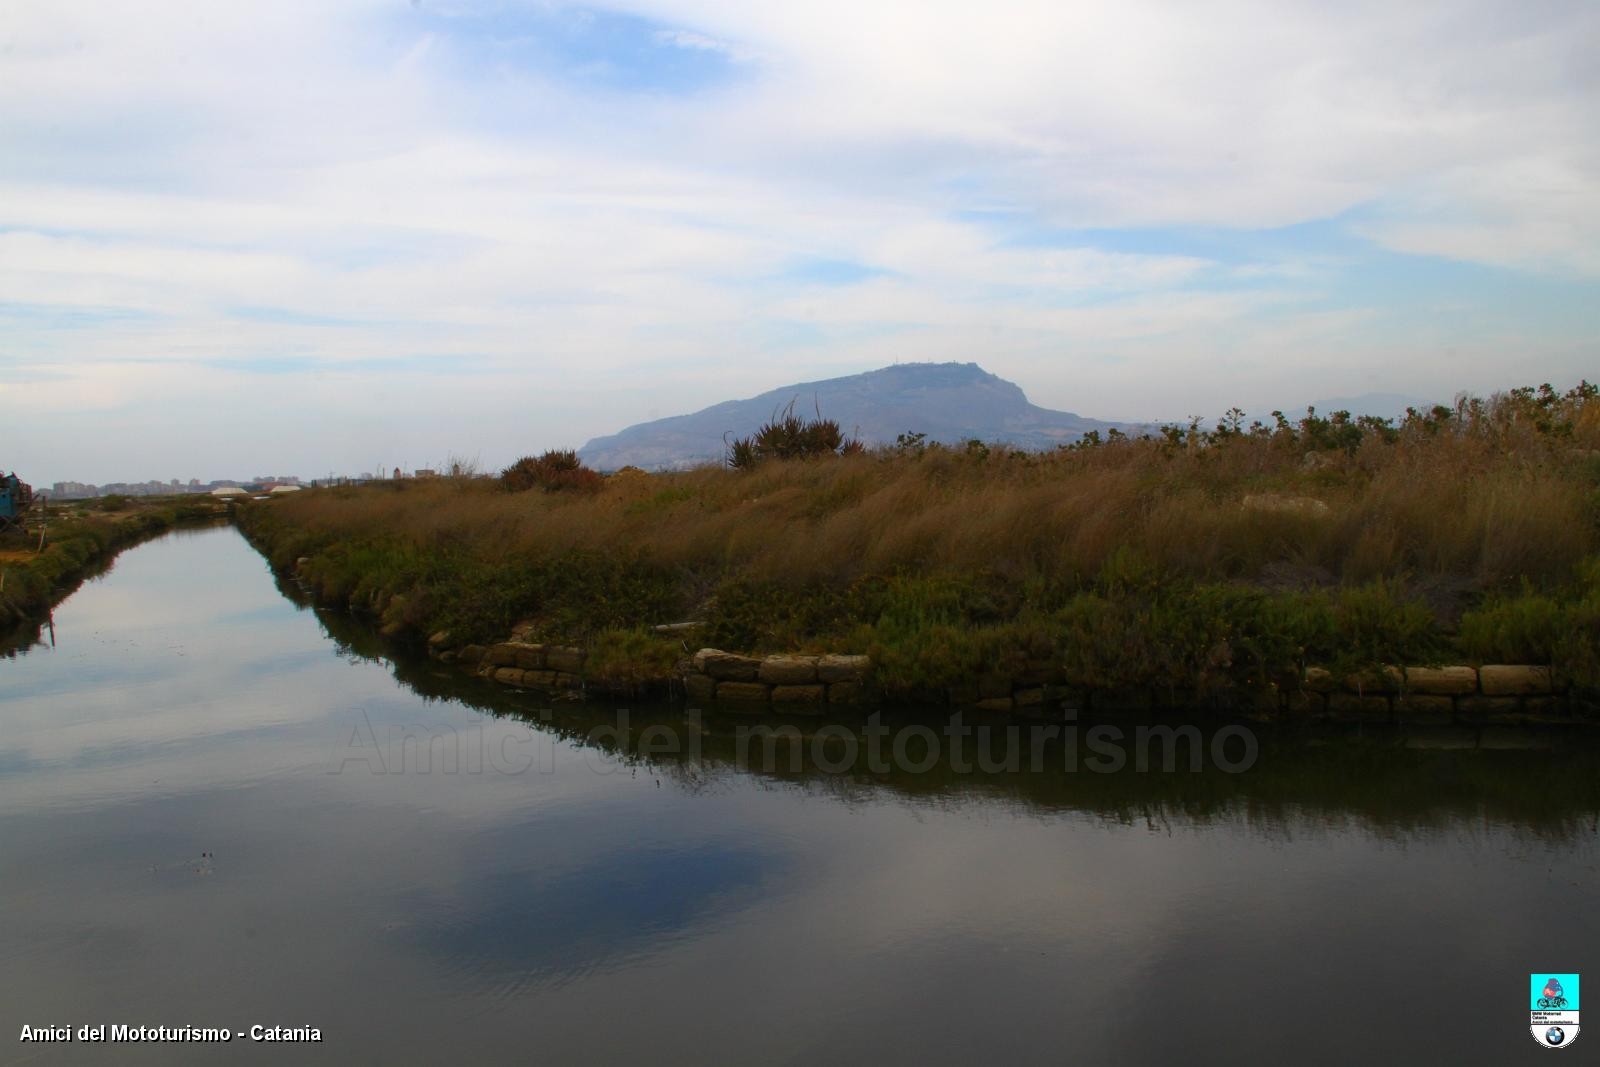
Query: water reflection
x=175 y=849
x=1388 y=779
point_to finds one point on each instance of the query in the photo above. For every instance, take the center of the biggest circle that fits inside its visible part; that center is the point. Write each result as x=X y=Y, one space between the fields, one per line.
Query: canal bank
x=1132 y=643
x=42 y=565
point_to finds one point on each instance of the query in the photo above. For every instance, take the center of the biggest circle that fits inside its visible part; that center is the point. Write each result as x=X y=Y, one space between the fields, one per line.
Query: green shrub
x=790 y=436
x=1376 y=624
x=628 y=659
x=1534 y=627
x=1518 y=629
x=557 y=470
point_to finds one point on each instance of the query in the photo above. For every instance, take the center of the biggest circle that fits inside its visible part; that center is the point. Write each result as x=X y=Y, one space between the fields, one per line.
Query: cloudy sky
x=327 y=235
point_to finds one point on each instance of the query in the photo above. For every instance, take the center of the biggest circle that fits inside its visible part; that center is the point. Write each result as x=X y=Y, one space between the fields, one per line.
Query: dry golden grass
x=1490 y=503
x=1191 y=560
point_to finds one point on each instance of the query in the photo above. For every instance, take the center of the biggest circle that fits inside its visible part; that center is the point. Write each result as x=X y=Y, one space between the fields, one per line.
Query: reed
x=1454 y=510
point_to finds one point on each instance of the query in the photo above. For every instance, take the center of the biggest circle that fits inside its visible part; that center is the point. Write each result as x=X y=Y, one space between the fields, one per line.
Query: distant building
x=426 y=473
x=280 y=490
x=73 y=490
x=229 y=491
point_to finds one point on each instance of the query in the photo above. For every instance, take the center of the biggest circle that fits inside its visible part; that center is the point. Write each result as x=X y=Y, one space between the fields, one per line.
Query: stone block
x=742 y=692
x=503 y=654
x=1442 y=681
x=1386 y=680
x=508 y=675
x=561 y=658
x=539 y=679
x=1543 y=707
x=471 y=653
x=813 y=695
x=842 y=668
x=995 y=704
x=699 y=688
x=531 y=657
x=787 y=670
x=725 y=666
x=1501 y=680
x=1318 y=680
x=1029 y=698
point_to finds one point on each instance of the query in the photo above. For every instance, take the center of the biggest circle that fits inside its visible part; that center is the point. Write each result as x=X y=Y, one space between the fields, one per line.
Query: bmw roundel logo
x=1555 y=1035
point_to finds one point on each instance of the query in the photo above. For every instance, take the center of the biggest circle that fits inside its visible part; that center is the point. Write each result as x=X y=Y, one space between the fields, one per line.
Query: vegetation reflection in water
x=1389 y=779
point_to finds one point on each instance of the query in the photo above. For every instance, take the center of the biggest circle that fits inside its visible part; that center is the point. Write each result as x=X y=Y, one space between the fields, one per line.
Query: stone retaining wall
x=797 y=683
x=523 y=664
x=1491 y=693
x=1495 y=693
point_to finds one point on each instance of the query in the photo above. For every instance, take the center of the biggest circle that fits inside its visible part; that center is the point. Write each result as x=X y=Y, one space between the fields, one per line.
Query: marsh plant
x=1198 y=558
x=787 y=436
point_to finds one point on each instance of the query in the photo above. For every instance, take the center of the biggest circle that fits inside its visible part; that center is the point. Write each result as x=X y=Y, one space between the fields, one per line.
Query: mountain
x=949 y=402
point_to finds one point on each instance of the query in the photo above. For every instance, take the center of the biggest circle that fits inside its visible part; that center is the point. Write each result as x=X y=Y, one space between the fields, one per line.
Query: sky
x=315 y=236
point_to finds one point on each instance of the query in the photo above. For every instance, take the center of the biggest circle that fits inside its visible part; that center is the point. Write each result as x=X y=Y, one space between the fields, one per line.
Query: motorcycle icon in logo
x=1551 y=997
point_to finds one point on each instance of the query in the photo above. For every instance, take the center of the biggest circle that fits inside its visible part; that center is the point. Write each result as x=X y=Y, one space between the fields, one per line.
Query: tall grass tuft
x=790 y=436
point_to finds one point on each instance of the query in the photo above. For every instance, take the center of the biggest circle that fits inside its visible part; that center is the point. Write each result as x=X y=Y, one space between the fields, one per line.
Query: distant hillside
x=949 y=402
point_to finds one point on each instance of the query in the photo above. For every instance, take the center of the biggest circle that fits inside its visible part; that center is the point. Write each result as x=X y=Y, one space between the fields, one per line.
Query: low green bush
x=557 y=470
x=1536 y=627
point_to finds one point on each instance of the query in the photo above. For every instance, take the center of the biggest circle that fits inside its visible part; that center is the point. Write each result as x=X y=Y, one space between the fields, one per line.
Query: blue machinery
x=16 y=497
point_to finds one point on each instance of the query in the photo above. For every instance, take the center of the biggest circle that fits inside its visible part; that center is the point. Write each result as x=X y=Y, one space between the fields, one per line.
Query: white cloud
x=338 y=185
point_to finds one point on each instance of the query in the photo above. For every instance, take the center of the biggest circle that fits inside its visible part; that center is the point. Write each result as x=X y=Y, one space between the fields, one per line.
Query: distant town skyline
x=344 y=234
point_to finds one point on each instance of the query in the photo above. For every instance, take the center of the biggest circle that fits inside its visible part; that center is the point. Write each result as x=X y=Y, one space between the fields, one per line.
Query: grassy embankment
x=1197 y=560
x=79 y=537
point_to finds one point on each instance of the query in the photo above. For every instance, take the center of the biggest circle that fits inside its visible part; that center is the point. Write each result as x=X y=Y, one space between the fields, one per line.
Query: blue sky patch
x=597 y=49
x=829 y=272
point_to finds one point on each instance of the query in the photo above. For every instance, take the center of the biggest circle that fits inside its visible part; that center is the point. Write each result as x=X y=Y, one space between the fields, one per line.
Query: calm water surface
x=549 y=899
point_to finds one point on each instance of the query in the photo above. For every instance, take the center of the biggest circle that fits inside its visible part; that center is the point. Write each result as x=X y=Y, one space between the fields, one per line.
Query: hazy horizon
x=319 y=237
